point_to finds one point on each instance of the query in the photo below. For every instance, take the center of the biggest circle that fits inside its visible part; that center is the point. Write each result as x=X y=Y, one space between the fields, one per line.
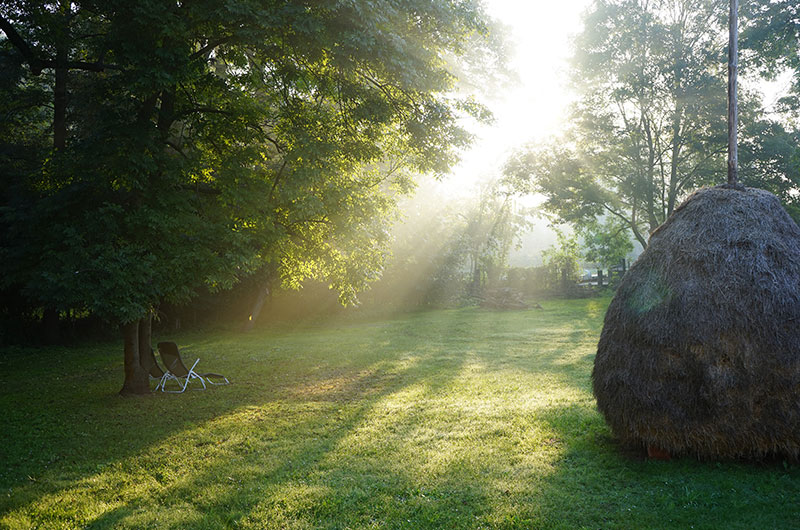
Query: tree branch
x=176 y=149
x=208 y=48
x=37 y=64
x=20 y=44
x=630 y=222
x=277 y=178
x=98 y=66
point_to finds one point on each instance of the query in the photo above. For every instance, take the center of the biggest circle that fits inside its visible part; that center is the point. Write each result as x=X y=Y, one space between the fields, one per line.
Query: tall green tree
x=193 y=142
x=771 y=37
x=492 y=225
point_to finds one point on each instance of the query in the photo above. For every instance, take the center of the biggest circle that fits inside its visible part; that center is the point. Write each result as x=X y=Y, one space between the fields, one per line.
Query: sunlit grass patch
x=448 y=419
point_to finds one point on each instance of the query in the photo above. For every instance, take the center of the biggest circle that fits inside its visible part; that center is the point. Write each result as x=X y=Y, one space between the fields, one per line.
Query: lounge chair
x=177 y=371
x=149 y=363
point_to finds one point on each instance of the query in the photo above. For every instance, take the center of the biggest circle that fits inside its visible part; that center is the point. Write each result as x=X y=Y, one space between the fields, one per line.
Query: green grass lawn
x=447 y=419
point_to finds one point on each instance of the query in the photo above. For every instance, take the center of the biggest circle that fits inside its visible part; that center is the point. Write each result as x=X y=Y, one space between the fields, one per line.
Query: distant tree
x=444 y=251
x=563 y=258
x=770 y=158
x=492 y=225
x=426 y=265
x=606 y=242
x=186 y=144
x=771 y=35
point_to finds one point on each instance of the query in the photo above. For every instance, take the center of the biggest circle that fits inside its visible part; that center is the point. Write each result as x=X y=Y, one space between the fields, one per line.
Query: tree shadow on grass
x=260 y=468
x=124 y=432
x=341 y=428
x=410 y=447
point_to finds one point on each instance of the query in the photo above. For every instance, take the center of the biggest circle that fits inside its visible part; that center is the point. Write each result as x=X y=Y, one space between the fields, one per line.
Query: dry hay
x=700 y=350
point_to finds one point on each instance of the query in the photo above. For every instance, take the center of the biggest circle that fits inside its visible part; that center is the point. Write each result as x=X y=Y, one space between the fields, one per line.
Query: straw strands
x=700 y=349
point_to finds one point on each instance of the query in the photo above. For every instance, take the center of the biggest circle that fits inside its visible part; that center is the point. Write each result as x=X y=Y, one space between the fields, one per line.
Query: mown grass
x=448 y=419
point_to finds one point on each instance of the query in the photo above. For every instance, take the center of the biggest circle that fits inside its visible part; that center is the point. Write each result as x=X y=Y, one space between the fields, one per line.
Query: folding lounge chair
x=177 y=371
x=150 y=364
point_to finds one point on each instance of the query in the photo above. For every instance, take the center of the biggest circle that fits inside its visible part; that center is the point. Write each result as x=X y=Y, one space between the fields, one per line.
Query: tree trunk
x=652 y=218
x=639 y=237
x=137 y=381
x=677 y=123
x=145 y=337
x=51 y=325
x=50 y=317
x=475 y=275
x=263 y=293
x=60 y=101
x=672 y=194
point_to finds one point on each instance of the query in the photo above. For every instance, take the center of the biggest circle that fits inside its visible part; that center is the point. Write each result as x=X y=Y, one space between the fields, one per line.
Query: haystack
x=700 y=350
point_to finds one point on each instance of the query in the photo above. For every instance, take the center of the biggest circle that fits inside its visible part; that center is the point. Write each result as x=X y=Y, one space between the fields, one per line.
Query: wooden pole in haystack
x=733 y=103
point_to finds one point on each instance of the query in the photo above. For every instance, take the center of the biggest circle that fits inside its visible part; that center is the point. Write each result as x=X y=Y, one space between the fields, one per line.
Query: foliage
x=649 y=124
x=445 y=253
x=539 y=282
x=427 y=262
x=493 y=223
x=771 y=34
x=564 y=258
x=606 y=243
x=203 y=140
x=771 y=159
x=443 y=419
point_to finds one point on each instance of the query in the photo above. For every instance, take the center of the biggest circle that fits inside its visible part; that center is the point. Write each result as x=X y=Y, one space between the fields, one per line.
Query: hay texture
x=700 y=350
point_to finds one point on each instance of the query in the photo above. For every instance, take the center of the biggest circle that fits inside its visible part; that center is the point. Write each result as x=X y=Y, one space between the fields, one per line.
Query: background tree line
x=649 y=123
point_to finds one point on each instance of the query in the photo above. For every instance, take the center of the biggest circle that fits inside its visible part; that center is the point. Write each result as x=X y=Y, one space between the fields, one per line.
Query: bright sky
x=541 y=33
x=534 y=109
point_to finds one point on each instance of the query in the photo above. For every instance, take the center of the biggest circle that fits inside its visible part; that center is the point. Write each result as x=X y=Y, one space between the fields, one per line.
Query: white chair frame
x=210 y=382
x=182 y=381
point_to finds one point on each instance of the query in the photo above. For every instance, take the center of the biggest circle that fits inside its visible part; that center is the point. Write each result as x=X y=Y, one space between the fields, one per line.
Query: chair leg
x=183 y=384
x=211 y=381
x=192 y=374
x=169 y=376
x=162 y=382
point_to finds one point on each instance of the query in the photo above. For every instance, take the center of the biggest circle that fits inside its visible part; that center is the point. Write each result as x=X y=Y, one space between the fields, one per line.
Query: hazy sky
x=540 y=31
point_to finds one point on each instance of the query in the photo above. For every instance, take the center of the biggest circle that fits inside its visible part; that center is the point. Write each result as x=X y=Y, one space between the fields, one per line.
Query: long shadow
x=244 y=459
x=464 y=484
x=348 y=401
x=62 y=425
x=371 y=488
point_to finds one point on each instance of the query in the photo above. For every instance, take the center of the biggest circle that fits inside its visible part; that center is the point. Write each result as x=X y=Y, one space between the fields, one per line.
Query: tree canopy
x=150 y=148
